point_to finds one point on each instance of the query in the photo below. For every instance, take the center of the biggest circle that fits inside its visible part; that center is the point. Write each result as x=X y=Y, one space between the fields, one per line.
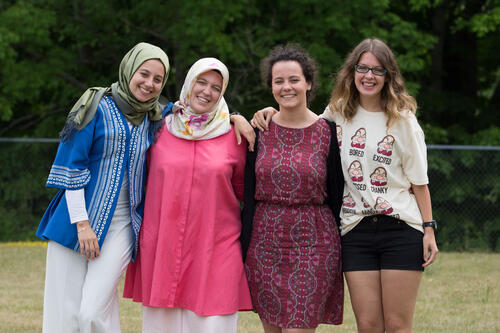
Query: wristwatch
x=432 y=224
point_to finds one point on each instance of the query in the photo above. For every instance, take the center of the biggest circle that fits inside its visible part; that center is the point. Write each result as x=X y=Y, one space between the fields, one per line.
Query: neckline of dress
x=297 y=128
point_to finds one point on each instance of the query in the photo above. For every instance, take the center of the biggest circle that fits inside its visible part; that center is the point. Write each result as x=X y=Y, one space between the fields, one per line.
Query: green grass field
x=459 y=293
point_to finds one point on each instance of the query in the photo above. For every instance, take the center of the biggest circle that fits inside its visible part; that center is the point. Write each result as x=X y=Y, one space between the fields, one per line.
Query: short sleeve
x=70 y=170
x=334 y=117
x=414 y=159
x=327 y=114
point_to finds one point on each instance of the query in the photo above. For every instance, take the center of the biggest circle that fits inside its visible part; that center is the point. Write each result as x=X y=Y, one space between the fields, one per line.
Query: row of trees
x=51 y=50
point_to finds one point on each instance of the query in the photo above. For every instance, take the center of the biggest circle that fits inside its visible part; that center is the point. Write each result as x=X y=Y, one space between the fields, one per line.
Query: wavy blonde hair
x=394 y=97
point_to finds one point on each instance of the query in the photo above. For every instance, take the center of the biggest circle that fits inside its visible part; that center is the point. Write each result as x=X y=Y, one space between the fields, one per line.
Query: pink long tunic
x=190 y=255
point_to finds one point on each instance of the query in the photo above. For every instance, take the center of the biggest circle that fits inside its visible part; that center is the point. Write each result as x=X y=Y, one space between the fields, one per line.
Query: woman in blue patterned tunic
x=92 y=223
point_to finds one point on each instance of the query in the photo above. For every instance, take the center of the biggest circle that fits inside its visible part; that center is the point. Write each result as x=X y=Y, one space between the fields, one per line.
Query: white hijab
x=187 y=124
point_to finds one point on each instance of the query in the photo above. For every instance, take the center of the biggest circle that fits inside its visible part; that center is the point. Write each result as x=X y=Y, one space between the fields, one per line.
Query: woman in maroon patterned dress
x=293 y=193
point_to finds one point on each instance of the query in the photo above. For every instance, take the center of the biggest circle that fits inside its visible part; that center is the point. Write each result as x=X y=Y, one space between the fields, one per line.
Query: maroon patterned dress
x=293 y=262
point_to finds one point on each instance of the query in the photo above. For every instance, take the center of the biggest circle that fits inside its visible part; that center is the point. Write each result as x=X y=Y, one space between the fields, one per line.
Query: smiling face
x=146 y=83
x=289 y=85
x=369 y=85
x=206 y=92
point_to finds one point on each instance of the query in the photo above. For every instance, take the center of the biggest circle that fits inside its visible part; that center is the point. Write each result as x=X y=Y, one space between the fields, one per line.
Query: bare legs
x=383 y=301
x=365 y=290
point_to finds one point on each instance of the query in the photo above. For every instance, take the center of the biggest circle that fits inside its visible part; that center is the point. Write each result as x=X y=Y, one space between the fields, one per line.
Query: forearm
x=423 y=197
x=243 y=128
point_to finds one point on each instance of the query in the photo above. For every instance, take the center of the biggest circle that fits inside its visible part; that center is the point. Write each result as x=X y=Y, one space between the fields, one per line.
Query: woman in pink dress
x=293 y=193
x=189 y=272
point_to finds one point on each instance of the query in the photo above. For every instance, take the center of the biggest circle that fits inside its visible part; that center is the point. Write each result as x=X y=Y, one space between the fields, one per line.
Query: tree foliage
x=51 y=50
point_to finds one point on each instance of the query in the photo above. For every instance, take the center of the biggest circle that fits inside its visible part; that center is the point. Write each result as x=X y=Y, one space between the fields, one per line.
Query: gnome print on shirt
x=379 y=177
x=339 y=135
x=358 y=140
x=385 y=146
x=382 y=206
x=356 y=171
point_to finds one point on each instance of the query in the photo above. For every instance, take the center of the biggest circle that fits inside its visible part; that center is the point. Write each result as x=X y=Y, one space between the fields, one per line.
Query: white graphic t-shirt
x=379 y=166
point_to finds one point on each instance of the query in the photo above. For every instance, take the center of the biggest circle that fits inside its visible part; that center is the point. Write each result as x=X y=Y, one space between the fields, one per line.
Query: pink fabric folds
x=190 y=255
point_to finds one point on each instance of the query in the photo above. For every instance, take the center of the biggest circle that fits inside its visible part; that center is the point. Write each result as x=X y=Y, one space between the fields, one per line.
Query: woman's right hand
x=262 y=118
x=89 y=245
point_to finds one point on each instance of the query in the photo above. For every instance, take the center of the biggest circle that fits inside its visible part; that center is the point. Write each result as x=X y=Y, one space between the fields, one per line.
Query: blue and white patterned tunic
x=95 y=158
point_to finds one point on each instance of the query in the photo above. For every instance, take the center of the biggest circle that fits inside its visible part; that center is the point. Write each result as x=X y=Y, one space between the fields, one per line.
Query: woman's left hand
x=243 y=127
x=430 y=247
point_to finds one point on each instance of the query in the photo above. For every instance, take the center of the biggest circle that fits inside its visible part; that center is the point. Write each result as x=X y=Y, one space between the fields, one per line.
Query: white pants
x=81 y=295
x=178 y=320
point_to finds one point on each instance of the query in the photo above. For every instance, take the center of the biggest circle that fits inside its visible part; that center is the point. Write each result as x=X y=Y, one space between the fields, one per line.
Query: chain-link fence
x=465 y=187
x=464 y=184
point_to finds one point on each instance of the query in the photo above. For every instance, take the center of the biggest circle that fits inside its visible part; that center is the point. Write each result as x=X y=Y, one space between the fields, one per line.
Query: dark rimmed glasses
x=379 y=71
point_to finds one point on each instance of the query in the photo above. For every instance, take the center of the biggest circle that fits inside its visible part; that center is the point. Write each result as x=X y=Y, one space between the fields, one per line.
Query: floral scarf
x=184 y=122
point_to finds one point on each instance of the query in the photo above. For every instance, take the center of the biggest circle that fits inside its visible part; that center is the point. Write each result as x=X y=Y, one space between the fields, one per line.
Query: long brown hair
x=394 y=97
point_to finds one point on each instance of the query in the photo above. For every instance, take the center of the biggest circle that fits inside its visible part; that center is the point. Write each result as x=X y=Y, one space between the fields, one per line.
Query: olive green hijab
x=85 y=108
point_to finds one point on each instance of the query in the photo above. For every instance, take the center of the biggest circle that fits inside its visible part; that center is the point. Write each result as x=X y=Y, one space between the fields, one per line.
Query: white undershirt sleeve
x=75 y=200
x=76 y=205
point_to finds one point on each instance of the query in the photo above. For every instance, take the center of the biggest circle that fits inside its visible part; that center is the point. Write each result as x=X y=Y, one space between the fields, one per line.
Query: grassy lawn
x=459 y=293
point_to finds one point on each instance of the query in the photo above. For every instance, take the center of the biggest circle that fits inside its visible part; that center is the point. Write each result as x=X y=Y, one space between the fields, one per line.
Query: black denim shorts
x=382 y=242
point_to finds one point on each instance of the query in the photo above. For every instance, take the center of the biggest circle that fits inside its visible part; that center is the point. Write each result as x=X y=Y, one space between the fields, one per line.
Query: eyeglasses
x=379 y=71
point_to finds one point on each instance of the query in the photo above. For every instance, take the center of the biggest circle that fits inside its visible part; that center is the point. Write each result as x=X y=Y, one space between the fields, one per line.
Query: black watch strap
x=432 y=224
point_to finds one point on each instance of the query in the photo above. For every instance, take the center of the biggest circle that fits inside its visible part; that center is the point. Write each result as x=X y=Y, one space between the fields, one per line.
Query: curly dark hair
x=291 y=52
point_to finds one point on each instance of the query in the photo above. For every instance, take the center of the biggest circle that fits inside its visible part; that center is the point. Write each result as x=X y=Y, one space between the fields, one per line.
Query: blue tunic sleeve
x=70 y=170
x=167 y=109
